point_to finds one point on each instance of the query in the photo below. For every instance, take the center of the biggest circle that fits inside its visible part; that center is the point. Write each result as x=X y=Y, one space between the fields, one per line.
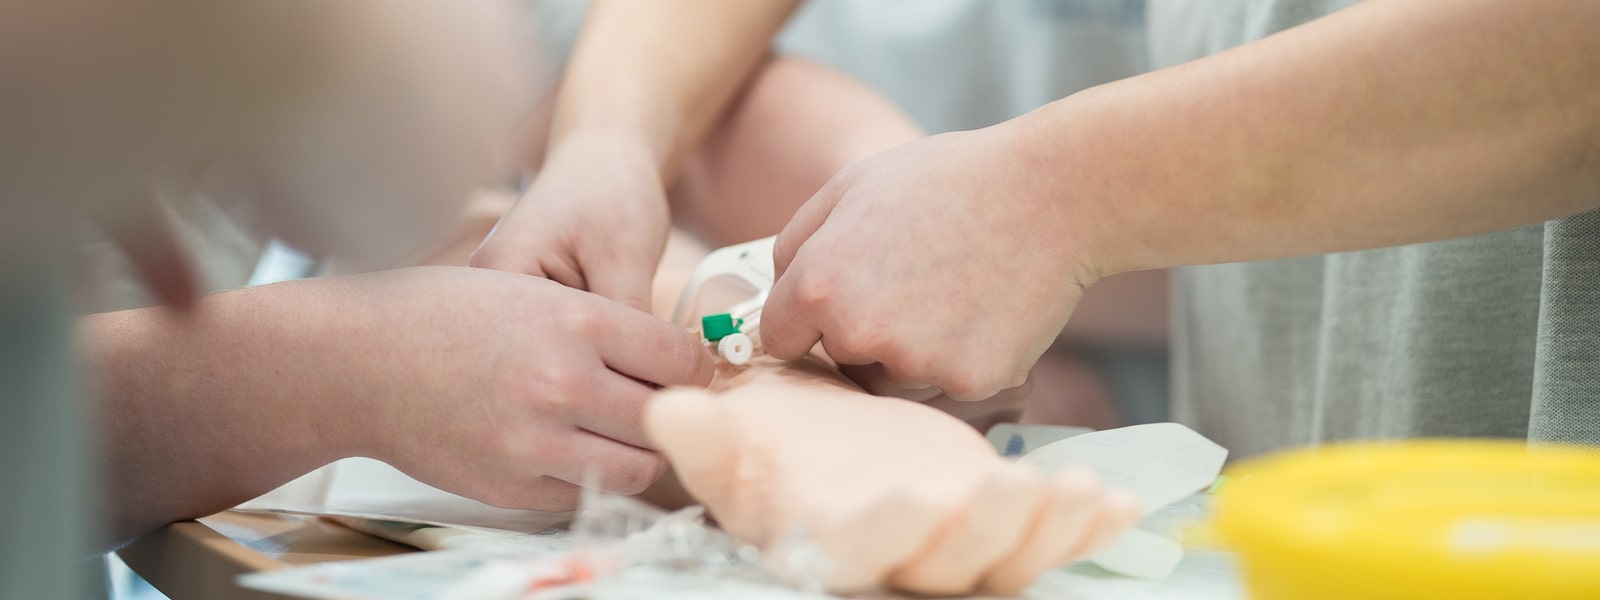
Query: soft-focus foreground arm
x=1392 y=122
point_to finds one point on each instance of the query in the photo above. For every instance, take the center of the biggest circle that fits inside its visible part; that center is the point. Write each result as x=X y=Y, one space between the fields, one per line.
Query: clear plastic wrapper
x=619 y=537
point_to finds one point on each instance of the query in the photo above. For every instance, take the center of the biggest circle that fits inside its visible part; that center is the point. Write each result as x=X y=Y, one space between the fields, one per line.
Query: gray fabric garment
x=950 y=64
x=1490 y=336
x=48 y=509
x=965 y=64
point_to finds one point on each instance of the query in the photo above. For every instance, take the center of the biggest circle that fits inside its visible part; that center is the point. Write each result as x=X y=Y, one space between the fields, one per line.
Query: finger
x=616 y=467
x=1072 y=499
x=543 y=493
x=614 y=409
x=974 y=541
x=866 y=544
x=695 y=434
x=1119 y=512
x=846 y=353
x=878 y=381
x=562 y=271
x=1001 y=407
x=786 y=332
x=652 y=350
x=803 y=224
x=981 y=415
x=627 y=282
x=142 y=233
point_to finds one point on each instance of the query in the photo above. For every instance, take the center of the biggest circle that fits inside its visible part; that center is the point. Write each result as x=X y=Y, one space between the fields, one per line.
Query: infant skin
x=896 y=493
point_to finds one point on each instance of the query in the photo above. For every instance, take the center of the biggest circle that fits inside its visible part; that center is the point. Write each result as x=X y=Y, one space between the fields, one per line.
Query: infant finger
x=1119 y=511
x=972 y=542
x=866 y=544
x=1072 y=499
x=700 y=441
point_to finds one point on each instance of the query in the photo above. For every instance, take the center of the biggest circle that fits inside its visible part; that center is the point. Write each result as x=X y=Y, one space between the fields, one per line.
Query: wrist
x=1076 y=152
x=295 y=379
x=342 y=366
x=214 y=395
x=624 y=147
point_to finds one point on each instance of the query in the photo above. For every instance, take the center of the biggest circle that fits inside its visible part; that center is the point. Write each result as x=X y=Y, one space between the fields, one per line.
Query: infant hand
x=898 y=494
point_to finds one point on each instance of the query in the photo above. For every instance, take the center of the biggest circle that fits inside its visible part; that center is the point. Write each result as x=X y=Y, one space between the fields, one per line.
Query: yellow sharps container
x=1419 y=519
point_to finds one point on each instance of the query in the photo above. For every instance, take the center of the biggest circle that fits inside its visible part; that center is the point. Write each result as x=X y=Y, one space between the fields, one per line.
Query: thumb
x=693 y=431
x=805 y=223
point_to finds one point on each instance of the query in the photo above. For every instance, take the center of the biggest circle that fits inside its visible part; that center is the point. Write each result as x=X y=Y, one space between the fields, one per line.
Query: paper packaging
x=1160 y=463
x=369 y=489
x=1012 y=439
x=619 y=548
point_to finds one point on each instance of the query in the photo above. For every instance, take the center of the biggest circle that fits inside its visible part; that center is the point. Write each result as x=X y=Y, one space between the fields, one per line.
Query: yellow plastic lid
x=1433 y=518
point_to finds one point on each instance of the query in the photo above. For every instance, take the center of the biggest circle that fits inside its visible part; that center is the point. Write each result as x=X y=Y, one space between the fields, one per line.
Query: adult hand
x=947 y=260
x=506 y=388
x=596 y=219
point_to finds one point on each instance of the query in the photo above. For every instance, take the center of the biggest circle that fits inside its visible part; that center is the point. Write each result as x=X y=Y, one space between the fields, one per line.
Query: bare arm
x=204 y=411
x=466 y=379
x=1393 y=122
x=660 y=73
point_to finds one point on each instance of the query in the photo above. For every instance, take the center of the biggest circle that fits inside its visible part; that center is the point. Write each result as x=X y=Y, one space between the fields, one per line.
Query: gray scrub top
x=50 y=507
x=1495 y=335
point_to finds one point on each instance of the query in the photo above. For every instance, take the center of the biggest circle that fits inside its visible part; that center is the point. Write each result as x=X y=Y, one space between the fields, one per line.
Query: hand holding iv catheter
x=731 y=334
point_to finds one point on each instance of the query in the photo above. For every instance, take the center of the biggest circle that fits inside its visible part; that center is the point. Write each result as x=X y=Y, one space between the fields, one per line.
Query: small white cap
x=736 y=348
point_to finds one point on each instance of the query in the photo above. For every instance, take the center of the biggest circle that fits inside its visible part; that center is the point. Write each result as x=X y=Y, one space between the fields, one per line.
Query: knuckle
x=560 y=383
x=812 y=291
x=583 y=319
x=1018 y=380
x=868 y=341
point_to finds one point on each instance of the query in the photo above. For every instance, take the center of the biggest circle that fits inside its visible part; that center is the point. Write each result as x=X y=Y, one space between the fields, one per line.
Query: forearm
x=1389 y=123
x=660 y=73
x=202 y=411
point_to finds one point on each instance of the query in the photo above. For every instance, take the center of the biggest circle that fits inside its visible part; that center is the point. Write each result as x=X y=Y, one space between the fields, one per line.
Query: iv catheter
x=731 y=333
